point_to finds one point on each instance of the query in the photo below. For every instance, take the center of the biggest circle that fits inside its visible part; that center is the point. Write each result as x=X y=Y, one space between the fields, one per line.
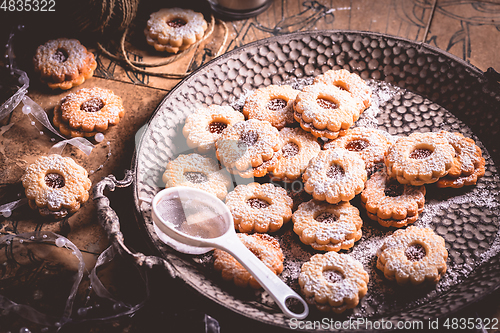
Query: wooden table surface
x=466 y=29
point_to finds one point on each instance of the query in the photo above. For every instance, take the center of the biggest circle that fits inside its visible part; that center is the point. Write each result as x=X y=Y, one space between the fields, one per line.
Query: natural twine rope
x=105 y=15
x=133 y=64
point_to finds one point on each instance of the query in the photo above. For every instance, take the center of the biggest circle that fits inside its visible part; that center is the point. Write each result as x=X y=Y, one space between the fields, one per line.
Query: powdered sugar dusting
x=381 y=93
x=493 y=250
x=366 y=250
x=480 y=198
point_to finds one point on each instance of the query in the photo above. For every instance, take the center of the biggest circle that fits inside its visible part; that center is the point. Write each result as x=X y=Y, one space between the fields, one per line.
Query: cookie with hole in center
x=272 y=103
x=204 y=126
x=327 y=227
x=326 y=110
x=413 y=256
x=174 y=29
x=420 y=158
x=335 y=175
x=198 y=171
x=64 y=63
x=249 y=148
x=88 y=111
x=56 y=186
x=333 y=281
x=259 y=207
x=350 y=82
x=298 y=148
x=369 y=143
x=390 y=203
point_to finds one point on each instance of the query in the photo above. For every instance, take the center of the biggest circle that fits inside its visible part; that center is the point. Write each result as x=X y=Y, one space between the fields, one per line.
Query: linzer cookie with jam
x=413 y=255
x=194 y=170
x=327 y=227
x=369 y=143
x=420 y=158
x=56 y=186
x=203 y=127
x=333 y=281
x=299 y=147
x=88 y=111
x=174 y=29
x=64 y=63
x=272 y=103
x=390 y=203
x=335 y=175
x=326 y=110
x=250 y=148
x=259 y=207
x=349 y=82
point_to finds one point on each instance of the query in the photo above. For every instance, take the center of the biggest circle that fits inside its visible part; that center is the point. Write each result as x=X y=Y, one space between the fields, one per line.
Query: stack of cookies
x=249 y=148
x=306 y=137
x=332 y=103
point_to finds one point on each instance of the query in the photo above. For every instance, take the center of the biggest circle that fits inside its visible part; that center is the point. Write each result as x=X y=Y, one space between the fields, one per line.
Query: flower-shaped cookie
x=194 y=170
x=247 y=145
x=420 y=158
x=369 y=143
x=64 y=127
x=64 y=63
x=259 y=207
x=273 y=104
x=413 y=255
x=299 y=147
x=203 y=127
x=56 y=184
x=327 y=227
x=469 y=163
x=174 y=29
x=91 y=109
x=348 y=81
x=325 y=110
x=390 y=203
x=333 y=281
x=335 y=175
x=265 y=247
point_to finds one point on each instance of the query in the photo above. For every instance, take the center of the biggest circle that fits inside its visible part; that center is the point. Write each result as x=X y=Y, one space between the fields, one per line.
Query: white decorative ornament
x=99 y=137
x=60 y=242
x=26 y=109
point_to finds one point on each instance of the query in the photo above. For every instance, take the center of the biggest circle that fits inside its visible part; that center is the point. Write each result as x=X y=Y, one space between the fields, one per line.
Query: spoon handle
x=278 y=290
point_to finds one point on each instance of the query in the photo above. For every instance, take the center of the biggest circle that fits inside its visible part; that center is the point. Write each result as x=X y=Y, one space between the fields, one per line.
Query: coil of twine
x=112 y=18
x=105 y=16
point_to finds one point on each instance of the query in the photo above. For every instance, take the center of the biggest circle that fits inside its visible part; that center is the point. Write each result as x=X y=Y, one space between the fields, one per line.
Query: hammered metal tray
x=416 y=88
